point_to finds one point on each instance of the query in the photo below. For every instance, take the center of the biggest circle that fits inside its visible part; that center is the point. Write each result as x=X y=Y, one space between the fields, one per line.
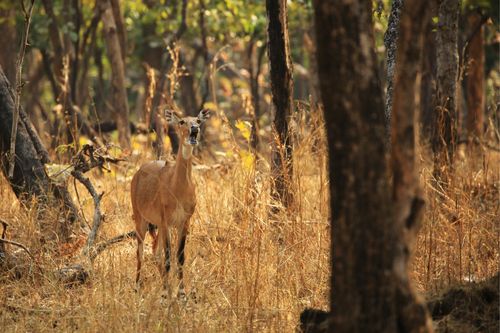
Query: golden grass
x=245 y=270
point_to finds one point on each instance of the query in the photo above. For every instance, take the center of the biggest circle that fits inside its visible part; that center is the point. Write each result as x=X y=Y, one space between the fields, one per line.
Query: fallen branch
x=102 y=246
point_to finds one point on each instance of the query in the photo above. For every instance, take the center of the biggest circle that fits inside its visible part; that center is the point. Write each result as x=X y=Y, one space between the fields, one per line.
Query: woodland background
x=101 y=72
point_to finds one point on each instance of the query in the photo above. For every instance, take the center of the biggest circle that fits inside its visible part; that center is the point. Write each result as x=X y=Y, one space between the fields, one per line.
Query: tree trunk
x=120 y=28
x=60 y=85
x=119 y=92
x=407 y=199
x=29 y=180
x=390 y=42
x=475 y=77
x=280 y=64
x=445 y=133
x=428 y=81
x=369 y=292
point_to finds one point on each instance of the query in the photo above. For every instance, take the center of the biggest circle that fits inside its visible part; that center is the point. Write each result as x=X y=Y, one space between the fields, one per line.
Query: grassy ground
x=245 y=270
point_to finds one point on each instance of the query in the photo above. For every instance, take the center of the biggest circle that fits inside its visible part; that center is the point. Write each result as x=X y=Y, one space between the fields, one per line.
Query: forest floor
x=246 y=270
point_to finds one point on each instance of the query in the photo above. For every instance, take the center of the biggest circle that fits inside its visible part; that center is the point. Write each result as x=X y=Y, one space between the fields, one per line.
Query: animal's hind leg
x=167 y=252
x=152 y=232
x=181 y=257
x=141 y=233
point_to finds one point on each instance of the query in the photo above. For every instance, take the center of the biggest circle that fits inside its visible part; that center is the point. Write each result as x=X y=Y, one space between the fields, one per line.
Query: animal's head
x=188 y=128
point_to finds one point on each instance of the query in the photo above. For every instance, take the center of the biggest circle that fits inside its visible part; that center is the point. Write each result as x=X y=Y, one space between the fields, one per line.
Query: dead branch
x=104 y=245
x=86 y=159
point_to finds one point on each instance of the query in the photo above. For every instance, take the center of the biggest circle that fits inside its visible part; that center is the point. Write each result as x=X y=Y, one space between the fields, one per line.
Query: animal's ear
x=171 y=117
x=204 y=115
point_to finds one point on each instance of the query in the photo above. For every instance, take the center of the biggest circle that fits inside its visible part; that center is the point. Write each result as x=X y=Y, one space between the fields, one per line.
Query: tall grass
x=246 y=269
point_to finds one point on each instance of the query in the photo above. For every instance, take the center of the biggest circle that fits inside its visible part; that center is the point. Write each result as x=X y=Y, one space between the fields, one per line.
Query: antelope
x=163 y=195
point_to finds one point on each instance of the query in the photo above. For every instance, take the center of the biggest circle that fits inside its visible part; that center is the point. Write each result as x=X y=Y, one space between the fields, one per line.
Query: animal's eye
x=182 y=122
x=198 y=121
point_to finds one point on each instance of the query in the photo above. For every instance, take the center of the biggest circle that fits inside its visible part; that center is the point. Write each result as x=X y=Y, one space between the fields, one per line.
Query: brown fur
x=163 y=194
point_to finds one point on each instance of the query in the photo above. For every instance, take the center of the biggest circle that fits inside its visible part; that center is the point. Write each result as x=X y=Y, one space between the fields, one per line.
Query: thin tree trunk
x=390 y=42
x=281 y=67
x=445 y=133
x=119 y=92
x=60 y=84
x=120 y=28
x=475 y=77
x=29 y=179
x=412 y=313
x=8 y=39
x=428 y=84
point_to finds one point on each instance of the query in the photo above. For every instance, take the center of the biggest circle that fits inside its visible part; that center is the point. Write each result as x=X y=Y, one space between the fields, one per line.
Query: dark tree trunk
x=118 y=89
x=29 y=180
x=445 y=132
x=369 y=292
x=390 y=42
x=475 y=76
x=280 y=64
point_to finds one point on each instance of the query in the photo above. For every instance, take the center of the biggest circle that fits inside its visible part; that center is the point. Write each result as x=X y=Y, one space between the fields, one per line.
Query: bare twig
x=104 y=245
x=19 y=85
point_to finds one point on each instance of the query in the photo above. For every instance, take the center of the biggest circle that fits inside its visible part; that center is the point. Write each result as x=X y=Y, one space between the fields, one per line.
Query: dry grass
x=245 y=270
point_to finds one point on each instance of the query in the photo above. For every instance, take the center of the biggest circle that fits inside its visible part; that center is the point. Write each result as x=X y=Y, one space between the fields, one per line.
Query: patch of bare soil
x=468 y=308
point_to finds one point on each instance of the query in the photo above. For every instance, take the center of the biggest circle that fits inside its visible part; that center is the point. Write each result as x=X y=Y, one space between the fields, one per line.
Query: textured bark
x=390 y=42
x=475 y=77
x=445 y=133
x=370 y=228
x=280 y=64
x=29 y=179
x=408 y=204
x=363 y=292
x=118 y=89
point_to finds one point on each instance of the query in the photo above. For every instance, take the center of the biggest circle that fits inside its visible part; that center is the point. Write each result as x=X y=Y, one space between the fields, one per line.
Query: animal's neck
x=183 y=163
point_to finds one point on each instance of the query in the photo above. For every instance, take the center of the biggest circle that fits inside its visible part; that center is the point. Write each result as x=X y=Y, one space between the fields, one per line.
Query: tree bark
x=369 y=291
x=406 y=194
x=390 y=42
x=281 y=67
x=475 y=77
x=29 y=180
x=445 y=133
x=119 y=92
